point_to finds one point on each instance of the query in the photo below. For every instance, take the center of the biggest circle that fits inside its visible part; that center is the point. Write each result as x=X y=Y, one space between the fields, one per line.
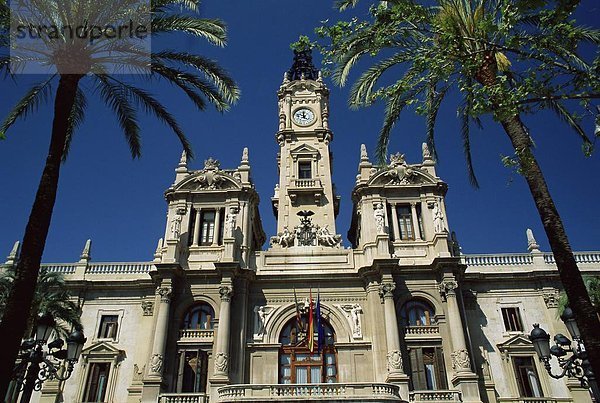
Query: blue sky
x=119 y=203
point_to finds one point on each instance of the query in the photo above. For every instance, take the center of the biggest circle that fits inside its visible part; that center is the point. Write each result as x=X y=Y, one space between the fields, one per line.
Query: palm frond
x=117 y=98
x=212 y=30
x=464 y=115
x=362 y=90
x=225 y=84
x=563 y=114
x=433 y=102
x=75 y=119
x=153 y=106
x=29 y=103
x=394 y=105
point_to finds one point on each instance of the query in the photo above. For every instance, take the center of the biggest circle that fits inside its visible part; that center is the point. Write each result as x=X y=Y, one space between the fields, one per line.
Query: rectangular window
x=97 y=382
x=427 y=368
x=193 y=371
x=108 y=327
x=512 y=319
x=304 y=170
x=405 y=223
x=207 y=227
x=192 y=226
x=527 y=377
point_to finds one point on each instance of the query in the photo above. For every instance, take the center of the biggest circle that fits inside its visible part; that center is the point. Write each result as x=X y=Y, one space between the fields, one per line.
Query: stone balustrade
x=533 y=400
x=357 y=392
x=63 y=268
x=307 y=183
x=422 y=396
x=429 y=330
x=580 y=257
x=196 y=334
x=183 y=398
x=119 y=268
x=504 y=259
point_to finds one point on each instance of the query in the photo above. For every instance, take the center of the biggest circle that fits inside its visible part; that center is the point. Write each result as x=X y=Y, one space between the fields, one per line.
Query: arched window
x=199 y=316
x=417 y=313
x=297 y=364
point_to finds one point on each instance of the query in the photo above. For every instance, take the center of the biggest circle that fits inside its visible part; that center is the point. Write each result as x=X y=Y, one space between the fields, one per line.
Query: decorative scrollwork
x=226 y=292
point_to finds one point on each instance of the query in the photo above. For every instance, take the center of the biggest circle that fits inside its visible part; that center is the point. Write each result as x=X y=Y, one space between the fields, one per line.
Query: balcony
x=310 y=187
x=418 y=332
x=183 y=398
x=196 y=335
x=440 y=396
x=533 y=400
x=350 y=392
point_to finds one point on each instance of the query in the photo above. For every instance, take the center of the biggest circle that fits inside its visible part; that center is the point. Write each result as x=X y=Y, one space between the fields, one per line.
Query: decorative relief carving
x=221 y=362
x=138 y=373
x=226 y=292
x=386 y=290
x=399 y=172
x=353 y=314
x=460 y=360
x=448 y=287
x=394 y=360
x=211 y=176
x=326 y=238
x=165 y=293
x=156 y=363
x=175 y=228
x=551 y=298
x=148 y=308
x=285 y=239
x=306 y=234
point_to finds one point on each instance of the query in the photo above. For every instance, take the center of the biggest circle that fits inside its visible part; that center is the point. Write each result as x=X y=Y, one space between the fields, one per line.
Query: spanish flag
x=311 y=327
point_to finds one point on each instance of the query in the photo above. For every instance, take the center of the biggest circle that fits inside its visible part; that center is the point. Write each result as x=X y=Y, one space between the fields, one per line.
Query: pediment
x=304 y=149
x=515 y=342
x=209 y=180
x=103 y=349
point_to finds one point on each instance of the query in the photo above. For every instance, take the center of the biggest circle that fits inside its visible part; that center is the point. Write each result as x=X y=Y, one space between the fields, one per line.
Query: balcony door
x=192 y=370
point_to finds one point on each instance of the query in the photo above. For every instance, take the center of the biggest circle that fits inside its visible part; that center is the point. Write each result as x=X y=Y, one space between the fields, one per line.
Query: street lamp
x=37 y=364
x=577 y=364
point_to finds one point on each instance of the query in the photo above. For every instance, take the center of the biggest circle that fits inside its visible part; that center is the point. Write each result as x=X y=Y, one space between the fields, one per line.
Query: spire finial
x=364 y=157
x=303 y=67
x=183 y=159
x=532 y=245
x=85 y=253
x=426 y=153
x=14 y=253
x=245 y=156
x=158 y=251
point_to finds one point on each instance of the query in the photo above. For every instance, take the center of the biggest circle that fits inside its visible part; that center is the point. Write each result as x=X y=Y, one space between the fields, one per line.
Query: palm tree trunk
x=14 y=321
x=579 y=300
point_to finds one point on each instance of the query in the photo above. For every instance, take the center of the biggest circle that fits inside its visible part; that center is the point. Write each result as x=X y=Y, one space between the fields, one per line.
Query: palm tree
x=75 y=61
x=50 y=297
x=506 y=58
x=592 y=284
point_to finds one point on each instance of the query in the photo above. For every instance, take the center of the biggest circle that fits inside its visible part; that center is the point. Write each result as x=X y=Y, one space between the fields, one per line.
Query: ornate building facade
x=401 y=315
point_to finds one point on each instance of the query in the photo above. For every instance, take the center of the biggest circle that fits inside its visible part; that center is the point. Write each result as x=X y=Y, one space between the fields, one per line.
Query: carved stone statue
x=352 y=312
x=176 y=227
x=230 y=221
x=438 y=219
x=262 y=315
x=285 y=238
x=379 y=215
x=326 y=238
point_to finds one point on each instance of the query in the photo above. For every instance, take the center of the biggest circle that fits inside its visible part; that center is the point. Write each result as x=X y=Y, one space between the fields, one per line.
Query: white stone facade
x=213 y=317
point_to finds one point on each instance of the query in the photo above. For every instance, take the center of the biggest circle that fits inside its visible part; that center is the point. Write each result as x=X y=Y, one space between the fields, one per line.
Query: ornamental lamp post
x=37 y=364
x=576 y=365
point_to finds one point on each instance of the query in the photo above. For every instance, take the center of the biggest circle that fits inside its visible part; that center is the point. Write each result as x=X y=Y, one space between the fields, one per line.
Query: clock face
x=304 y=116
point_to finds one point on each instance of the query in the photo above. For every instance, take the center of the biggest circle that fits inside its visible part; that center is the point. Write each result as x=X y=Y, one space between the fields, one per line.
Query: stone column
x=395 y=227
x=215 y=240
x=156 y=361
x=415 y=220
x=394 y=356
x=221 y=352
x=460 y=355
x=196 y=238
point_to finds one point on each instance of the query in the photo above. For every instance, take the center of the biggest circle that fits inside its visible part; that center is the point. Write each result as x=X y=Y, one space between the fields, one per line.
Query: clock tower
x=304 y=201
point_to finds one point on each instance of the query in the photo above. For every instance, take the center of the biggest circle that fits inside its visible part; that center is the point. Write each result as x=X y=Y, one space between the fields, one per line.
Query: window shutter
x=417 y=369
x=440 y=368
